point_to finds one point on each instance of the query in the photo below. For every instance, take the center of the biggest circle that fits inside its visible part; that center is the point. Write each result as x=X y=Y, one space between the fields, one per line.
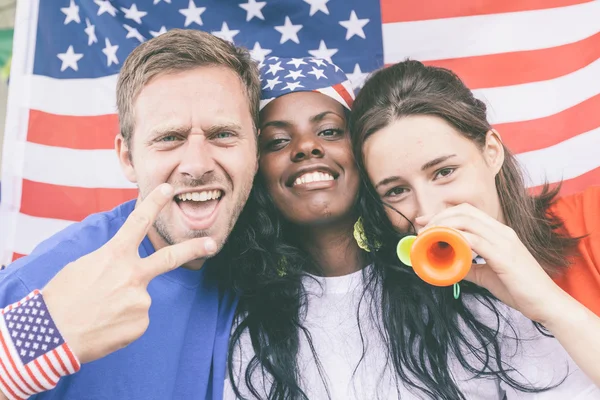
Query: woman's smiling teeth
x=205 y=195
x=313 y=177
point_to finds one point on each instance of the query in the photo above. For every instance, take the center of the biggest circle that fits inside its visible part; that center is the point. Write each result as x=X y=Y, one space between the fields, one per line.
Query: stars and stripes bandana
x=33 y=353
x=280 y=76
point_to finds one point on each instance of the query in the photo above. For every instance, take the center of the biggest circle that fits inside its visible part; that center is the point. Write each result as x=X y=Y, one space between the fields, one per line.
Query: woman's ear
x=493 y=151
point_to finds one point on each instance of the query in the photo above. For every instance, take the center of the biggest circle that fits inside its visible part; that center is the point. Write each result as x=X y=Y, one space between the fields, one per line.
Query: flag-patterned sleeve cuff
x=33 y=353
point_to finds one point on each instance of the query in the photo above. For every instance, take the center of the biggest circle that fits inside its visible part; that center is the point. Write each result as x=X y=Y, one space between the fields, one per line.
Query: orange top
x=581 y=215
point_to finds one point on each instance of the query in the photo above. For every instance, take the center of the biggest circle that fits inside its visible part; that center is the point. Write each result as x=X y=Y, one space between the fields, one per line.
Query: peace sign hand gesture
x=100 y=302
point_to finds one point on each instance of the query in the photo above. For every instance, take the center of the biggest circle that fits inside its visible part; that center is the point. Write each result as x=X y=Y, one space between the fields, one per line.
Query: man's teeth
x=313 y=177
x=200 y=196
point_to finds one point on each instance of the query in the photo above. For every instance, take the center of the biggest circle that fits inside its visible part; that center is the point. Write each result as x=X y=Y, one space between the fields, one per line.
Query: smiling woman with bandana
x=316 y=319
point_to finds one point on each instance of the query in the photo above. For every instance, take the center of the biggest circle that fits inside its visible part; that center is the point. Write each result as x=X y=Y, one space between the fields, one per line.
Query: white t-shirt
x=331 y=318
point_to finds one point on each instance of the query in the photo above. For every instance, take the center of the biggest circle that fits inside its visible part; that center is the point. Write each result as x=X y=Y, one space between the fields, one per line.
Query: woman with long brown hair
x=432 y=159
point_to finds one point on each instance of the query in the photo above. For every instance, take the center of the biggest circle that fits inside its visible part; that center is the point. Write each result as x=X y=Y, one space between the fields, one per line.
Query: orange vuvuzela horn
x=440 y=256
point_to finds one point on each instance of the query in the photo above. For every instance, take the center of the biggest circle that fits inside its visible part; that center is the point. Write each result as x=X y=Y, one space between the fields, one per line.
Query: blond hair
x=181 y=50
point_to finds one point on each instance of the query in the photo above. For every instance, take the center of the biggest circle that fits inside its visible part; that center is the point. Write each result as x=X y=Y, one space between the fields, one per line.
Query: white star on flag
x=158 y=1
x=225 y=33
x=318 y=62
x=69 y=59
x=105 y=6
x=292 y=86
x=317 y=5
x=192 y=14
x=258 y=53
x=71 y=13
x=295 y=74
x=134 y=14
x=357 y=77
x=274 y=68
x=90 y=30
x=253 y=9
x=296 y=62
x=111 y=57
x=133 y=33
x=272 y=82
x=318 y=73
x=288 y=31
x=160 y=32
x=354 y=26
x=323 y=52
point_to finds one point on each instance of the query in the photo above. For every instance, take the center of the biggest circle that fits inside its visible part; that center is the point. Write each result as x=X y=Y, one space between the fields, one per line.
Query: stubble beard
x=164 y=230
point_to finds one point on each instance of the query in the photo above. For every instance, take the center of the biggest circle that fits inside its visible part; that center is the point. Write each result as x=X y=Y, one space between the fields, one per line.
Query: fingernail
x=210 y=246
x=166 y=189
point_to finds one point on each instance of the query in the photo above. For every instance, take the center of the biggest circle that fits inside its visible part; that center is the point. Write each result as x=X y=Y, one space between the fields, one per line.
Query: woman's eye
x=331 y=132
x=276 y=144
x=397 y=191
x=444 y=172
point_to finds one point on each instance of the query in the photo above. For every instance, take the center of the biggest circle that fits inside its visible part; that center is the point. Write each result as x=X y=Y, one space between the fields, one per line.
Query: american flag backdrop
x=536 y=63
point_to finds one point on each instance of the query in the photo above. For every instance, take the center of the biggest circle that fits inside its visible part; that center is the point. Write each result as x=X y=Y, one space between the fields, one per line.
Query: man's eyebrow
x=225 y=127
x=170 y=128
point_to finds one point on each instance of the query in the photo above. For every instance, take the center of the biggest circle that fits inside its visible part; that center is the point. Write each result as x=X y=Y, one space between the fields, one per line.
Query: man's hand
x=100 y=302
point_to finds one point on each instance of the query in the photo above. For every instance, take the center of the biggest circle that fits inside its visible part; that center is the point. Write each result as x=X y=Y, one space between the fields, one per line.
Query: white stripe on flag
x=46 y=368
x=13 y=388
x=507 y=104
x=66 y=360
x=541 y=99
x=31 y=231
x=78 y=97
x=73 y=167
x=55 y=363
x=565 y=160
x=445 y=38
x=21 y=375
x=331 y=92
x=36 y=373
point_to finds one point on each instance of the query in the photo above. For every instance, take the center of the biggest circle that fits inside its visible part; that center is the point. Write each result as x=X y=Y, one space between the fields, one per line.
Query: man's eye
x=223 y=135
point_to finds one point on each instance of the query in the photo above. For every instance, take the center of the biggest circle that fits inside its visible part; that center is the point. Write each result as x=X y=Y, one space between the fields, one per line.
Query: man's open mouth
x=199 y=207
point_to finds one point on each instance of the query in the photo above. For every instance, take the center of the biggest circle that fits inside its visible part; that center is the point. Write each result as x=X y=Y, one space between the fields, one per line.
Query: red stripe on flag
x=8 y=389
x=341 y=90
x=409 y=10
x=33 y=378
x=74 y=363
x=16 y=256
x=4 y=368
x=535 y=134
x=44 y=374
x=12 y=363
x=47 y=359
x=574 y=185
x=515 y=68
x=70 y=203
x=62 y=364
x=73 y=132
